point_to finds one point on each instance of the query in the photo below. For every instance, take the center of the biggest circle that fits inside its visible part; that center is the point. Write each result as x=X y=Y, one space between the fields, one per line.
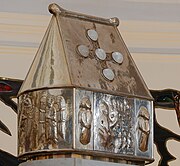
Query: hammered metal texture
x=114 y=124
x=84 y=120
x=144 y=128
x=45 y=120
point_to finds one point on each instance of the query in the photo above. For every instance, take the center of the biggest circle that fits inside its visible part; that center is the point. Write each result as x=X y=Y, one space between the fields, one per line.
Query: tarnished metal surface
x=114 y=124
x=84 y=119
x=55 y=9
x=61 y=119
x=49 y=68
x=79 y=51
x=144 y=128
x=84 y=94
x=45 y=120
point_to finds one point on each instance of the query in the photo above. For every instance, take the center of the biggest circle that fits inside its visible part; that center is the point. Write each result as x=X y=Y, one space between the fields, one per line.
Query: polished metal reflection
x=60 y=64
x=114 y=124
x=45 y=120
x=144 y=126
x=78 y=98
x=84 y=119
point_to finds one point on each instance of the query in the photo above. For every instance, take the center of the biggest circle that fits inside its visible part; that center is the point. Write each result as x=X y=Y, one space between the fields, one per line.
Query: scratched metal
x=144 y=128
x=84 y=132
x=45 y=120
x=49 y=68
x=107 y=115
x=114 y=124
x=59 y=64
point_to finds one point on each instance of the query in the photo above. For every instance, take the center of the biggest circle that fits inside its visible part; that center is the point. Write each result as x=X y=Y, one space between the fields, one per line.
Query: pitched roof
x=87 y=52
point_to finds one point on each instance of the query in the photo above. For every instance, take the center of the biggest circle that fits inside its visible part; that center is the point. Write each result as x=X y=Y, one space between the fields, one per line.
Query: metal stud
x=117 y=57
x=92 y=34
x=100 y=53
x=109 y=74
x=83 y=50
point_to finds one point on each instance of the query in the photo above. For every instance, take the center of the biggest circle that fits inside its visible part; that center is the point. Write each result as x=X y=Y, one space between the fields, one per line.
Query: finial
x=54 y=9
x=114 y=21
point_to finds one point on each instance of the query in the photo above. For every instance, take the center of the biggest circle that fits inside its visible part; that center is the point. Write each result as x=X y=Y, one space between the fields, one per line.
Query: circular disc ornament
x=83 y=50
x=100 y=53
x=92 y=34
x=108 y=74
x=117 y=57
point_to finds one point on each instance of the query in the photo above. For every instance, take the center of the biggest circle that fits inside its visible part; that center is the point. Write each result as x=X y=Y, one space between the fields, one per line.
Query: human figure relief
x=51 y=123
x=35 y=131
x=106 y=136
x=28 y=109
x=22 y=126
x=42 y=120
x=143 y=128
x=85 y=120
x=118 y=143
x=61 y=117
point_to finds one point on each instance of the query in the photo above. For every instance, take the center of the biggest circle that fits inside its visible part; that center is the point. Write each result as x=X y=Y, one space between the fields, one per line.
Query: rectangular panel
x=144 y=128
x=45 y=120
x=84 y=119
x=113 y=124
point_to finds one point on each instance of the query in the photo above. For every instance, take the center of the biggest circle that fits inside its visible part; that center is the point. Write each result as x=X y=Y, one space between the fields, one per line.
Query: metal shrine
x=84 y=96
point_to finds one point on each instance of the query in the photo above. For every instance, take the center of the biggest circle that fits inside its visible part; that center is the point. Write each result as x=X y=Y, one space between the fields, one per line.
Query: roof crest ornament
x=56 y=9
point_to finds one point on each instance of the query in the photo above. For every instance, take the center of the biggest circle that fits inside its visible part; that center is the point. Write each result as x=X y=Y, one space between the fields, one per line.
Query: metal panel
x=113 y=124
x=144 y=128
x=87 y=68
x=86 y=52
x=84 y=111
x=49 y=67
x=45 y=120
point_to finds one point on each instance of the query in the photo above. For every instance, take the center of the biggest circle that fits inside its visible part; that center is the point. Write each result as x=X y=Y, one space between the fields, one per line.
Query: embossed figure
x=42 y=120
x=106 y=136
x=118 y=143
x=51 y=123
x=113 y=114
x=29 y=113
x=143 y=128
x=22 y=125
x=61 y=117
x=35 y=139
x=85 y=120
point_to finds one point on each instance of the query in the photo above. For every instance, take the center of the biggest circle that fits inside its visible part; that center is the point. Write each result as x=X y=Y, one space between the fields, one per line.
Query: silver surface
x=107 y=114
x=144 y=128
x=84 y=119
x=45 y=120
x=56 y=120
x=114 y=124
x=55 y=9
x=49 y=68
x=58 y=64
